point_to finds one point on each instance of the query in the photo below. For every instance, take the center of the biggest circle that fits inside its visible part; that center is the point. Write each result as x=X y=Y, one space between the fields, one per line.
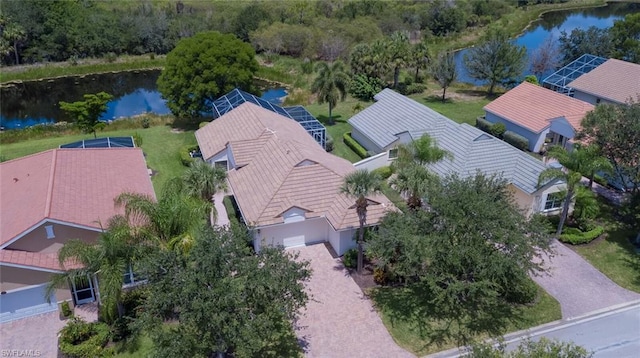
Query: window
x=554 y=201
x=393 y=153
x=50 y=233
x=131 y=278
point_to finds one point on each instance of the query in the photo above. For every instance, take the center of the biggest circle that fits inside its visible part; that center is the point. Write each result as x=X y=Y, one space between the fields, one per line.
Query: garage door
x=295 y=241
x=24 y=303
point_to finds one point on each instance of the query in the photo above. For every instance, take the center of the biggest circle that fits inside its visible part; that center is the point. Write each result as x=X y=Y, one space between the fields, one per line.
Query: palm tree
x=360 y=184
x=419 y=58
x=330 y=85
x=421 y=151
x=202 y=180
x=398 y=52
x=593 y=162
x=172 y=221
x=572 y=161
x=413 y=182
x=104 y=262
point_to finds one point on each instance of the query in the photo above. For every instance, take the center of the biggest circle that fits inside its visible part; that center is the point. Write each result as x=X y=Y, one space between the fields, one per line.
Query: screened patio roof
x=559 y=80
x=107 y=142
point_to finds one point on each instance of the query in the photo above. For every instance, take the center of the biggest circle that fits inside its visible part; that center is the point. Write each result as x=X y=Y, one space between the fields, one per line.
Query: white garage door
x=295 y=241
x=24 y=303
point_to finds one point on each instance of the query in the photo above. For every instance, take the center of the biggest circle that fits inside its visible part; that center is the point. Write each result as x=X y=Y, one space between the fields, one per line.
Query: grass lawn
x=160 y=145
x=459 y=110
x=142 y=347
x=406 y=317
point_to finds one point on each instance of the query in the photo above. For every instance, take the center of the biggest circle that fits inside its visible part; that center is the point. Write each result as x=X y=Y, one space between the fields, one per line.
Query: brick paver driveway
x=339 y=321
x=578 y=286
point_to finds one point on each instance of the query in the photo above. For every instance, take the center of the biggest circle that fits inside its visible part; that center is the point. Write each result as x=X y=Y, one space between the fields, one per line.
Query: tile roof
x=76 y=186
x=533 y=107
x=614 y=80
x=283 y=167
x=473 y=150
x=34 y=259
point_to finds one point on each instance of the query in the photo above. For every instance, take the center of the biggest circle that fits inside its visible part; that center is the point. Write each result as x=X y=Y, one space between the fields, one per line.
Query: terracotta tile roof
x=284 y=167
x=614 y=80
x=533 y=107
x=34 y=259
x=71 y=185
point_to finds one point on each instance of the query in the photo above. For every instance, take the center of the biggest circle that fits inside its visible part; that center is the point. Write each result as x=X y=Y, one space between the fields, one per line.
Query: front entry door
x=82 y=291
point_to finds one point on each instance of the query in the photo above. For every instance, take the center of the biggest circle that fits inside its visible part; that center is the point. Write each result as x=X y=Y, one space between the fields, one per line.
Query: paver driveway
x=338 y=320
x=578 y=286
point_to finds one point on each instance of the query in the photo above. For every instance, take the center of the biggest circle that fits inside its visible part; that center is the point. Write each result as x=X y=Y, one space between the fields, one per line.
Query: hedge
x=576 y=237
x=80 y=339
x=185 y=154
x=516 y=140
x=483 y=124
x=384 y=172
x=355 y=146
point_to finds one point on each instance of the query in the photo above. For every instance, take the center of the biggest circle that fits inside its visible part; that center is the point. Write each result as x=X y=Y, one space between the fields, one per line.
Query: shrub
x=521 y=290
x=306 y=66
x=185 y=154
x=600 y=180
x=407 y=89
x=202 y=124
x=79 y=339
x=364 y=88
x=483 y=124
x=354 y=145
x=65 y=309
x=516 y=140
x=152 y=56
x=532 y=79
x=137 y=139
x=350 y=258
x=379 y=276
x=384 y=172
x=577 y=237
x=110 y=57
x=146 y=123
x=328 y=145
x=498 y=129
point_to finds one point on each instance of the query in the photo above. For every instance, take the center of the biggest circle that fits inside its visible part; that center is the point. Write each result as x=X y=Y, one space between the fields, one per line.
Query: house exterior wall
x=341 y=241
x=296 y=233
x=562 y=127
x=13 y=278
x=531 y=204
x=222 y=156
x=364 y=141
x=535 y=139
x=375 y=162
x=589 y=98
x=37 y=241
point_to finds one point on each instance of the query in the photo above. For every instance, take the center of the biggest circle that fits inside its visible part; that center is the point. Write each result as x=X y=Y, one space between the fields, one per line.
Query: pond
x=553 y=24
x=135 y=92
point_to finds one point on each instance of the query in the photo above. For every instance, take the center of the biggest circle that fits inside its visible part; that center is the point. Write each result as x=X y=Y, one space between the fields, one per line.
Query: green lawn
x=160 y=145
x=461 y=111
x=406 y=317
x=140 y=348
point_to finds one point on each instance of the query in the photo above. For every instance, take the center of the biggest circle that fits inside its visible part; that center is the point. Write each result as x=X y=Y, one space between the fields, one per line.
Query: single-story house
x=614 y=81
x=286 y=185
x=538 y=114
x=395 y=119
x=47 y=199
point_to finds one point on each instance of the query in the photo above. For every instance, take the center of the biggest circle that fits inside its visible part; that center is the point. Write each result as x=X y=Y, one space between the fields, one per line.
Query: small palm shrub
x=350 y=258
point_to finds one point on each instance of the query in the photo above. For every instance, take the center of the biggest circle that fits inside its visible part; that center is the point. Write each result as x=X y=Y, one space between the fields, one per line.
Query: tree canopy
x=223 y=298
x=496 y=60
x=444 y=71
x=471 y=251
x=330 y=85
x=87 y=113
x=593 y=41
x=204 y=67
x=616 y=130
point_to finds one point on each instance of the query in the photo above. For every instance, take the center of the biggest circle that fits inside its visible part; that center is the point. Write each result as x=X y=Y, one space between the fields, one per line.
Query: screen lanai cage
x=299 y=114
x=559 y=80
x=107 y=142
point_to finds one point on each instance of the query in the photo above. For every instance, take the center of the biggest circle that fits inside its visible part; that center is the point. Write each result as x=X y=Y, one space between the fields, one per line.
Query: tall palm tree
x=172 y=221
x=413 y=182
x=360 y=184
x=202 y=180
x=104 y=262
x=398 y=52
x=331 y=84
x=419 y=58
x=572 y=161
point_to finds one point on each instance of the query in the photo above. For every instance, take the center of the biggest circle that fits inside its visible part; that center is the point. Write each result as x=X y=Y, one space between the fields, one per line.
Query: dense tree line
x=36 y=31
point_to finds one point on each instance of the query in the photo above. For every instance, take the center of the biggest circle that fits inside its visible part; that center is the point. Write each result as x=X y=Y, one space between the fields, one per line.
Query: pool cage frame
x=299 y=114
x=559 y=81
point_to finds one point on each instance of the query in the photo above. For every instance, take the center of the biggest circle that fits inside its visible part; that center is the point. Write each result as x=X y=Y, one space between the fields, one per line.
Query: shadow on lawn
x=412 y=311
x=336 y=119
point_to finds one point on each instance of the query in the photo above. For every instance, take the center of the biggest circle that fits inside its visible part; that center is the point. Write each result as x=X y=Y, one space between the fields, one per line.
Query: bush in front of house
x=328 y=144
x=185 y=154
x=575 y=236
x=354 y=145
x=516 y=140
x=350 y=258
x=498 y=129
x=80 y=339
x=384 y=172
x=483 y=124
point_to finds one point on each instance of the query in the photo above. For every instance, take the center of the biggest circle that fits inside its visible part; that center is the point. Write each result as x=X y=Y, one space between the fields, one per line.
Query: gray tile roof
x=473 y=150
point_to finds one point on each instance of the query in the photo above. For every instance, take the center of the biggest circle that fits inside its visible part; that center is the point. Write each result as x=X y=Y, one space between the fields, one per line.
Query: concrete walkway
x=38 y=335
x=578 y=286
x=339 y=321
x=222 y=219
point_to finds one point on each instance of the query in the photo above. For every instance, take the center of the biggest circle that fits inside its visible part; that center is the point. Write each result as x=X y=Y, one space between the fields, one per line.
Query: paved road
x=578 y=286
x=340 y=321
x=609 y=333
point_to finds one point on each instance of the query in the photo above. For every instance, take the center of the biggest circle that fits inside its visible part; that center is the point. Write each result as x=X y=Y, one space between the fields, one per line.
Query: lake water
x=553 y=24
x=135 y=92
